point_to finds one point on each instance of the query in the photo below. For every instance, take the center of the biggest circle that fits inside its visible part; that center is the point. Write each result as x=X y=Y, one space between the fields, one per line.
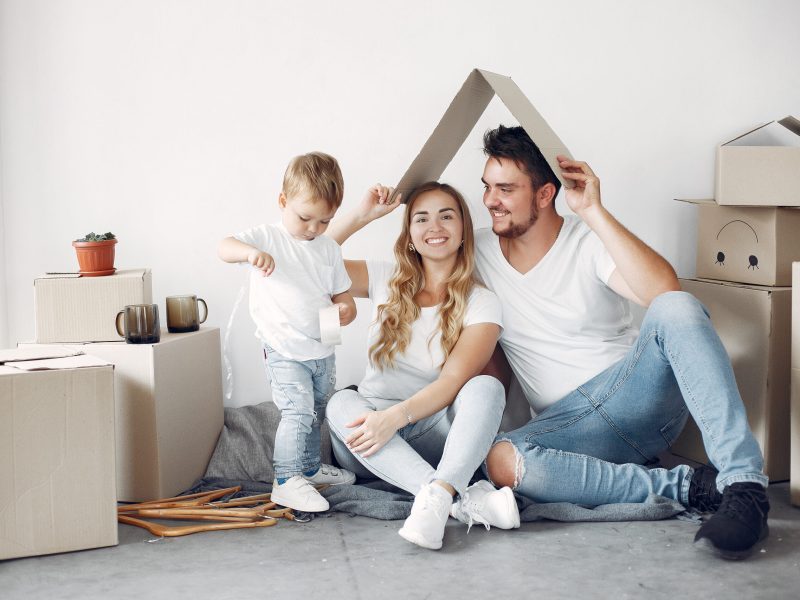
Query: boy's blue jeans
x=589 y=447
x=300 y=390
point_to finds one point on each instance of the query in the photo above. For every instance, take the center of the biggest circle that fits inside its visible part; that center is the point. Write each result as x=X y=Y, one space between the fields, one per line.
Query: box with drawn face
x=753 y=245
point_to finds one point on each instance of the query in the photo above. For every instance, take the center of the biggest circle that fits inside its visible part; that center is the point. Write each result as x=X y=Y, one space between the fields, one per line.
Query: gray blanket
x=244 y=457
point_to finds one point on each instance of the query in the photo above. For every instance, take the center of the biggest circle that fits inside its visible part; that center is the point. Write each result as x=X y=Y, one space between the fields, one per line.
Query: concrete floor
x=359 y=558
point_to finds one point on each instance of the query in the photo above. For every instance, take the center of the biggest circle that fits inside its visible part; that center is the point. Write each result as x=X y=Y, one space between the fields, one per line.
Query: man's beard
x=516 y=230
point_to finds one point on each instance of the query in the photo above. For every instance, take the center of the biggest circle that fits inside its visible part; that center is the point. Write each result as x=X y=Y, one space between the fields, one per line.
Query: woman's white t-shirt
x=422 y=361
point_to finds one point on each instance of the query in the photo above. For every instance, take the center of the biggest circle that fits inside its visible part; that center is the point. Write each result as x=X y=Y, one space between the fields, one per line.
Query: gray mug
x=183 y=313
x=140 y=324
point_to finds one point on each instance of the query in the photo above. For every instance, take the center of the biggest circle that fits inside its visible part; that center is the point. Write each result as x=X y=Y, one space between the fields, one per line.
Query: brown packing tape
x=461 y=116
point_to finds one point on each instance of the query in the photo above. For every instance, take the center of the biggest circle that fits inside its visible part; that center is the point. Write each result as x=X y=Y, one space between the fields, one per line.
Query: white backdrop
x=170 y=122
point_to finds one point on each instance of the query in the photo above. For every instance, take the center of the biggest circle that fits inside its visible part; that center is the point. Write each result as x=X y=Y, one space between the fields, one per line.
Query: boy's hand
x=347 y=313
x=262 y=261
x=378 y=202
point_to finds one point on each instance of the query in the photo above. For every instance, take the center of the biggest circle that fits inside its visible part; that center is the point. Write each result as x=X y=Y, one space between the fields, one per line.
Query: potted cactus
x=95 y=254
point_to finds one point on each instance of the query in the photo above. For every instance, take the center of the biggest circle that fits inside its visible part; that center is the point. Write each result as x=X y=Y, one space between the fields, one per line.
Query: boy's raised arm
x=233 y=251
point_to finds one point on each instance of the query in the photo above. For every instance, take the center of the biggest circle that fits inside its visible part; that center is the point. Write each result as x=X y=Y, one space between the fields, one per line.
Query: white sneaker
x=330 y=475
x=425 y=526
x=484 y=504
x=299 y=494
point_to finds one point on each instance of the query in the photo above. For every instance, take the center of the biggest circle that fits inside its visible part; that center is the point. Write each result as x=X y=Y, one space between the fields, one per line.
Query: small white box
x=84 y=309
x=169 y=410
x=57 y=484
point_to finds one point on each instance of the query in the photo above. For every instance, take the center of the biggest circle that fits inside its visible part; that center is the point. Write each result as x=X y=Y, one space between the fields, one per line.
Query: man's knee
x=676 y=308
x=502 y=464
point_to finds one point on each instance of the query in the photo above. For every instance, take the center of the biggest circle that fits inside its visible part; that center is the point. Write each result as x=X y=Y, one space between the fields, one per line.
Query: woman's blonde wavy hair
x=400 y=310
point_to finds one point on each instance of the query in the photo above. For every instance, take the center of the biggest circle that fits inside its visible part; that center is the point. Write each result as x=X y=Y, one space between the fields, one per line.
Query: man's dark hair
x=515 y=144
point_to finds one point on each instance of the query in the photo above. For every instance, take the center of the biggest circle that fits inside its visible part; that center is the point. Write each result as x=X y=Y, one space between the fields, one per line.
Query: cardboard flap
x=70 y=362
x=791 y=123
x=461 y=116
x=698 y=201
x=36 y=353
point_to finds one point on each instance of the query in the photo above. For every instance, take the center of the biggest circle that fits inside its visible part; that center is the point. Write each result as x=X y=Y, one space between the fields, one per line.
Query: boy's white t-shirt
x=563 y=324
x=285 y=305
x=422 y=361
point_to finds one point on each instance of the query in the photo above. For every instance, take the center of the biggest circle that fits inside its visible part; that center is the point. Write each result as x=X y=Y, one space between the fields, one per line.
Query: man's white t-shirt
x=422 y=361
x=563 y=324
x=285 y=305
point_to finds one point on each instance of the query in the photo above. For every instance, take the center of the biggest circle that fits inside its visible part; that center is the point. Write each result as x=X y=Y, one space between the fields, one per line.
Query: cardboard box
x=753 y=323
x=70 y=308
x=169 y=410
x=747 y=245
x=57 y=491
x=795 y=408
x=462 y=115
x=761 y=167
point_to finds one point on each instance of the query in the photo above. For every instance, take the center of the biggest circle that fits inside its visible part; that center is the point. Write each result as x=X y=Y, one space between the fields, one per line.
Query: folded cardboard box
x=761 y=167
x=57 y=484
x=753 y=323
x=70 y=308
x=168 y=410
x=461 y=116
x=745 y=244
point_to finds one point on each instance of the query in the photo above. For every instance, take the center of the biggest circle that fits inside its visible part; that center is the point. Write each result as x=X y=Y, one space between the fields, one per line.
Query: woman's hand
x=378 y=202
x=375 y=429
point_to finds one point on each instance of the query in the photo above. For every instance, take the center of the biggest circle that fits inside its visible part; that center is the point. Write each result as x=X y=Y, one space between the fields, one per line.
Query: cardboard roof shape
x=462 y=115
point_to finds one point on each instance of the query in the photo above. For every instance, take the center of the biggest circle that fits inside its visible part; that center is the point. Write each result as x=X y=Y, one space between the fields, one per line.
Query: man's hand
x=585 y=196
x=261 y=261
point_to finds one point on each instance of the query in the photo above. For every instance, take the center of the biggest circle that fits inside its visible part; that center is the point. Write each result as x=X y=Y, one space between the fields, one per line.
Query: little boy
x=297 y=272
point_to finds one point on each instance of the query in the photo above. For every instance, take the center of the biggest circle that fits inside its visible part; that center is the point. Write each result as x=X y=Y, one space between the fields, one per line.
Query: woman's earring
x=411 y=248
x=461 y=244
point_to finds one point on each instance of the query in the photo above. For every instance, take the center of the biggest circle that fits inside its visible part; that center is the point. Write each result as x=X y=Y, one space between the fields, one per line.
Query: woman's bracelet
x=407 y=413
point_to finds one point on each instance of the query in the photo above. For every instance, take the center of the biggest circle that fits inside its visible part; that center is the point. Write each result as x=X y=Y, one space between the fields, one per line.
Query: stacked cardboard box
x=794 y=428
x=747 y=241
x=168 y=410
x=57 y=490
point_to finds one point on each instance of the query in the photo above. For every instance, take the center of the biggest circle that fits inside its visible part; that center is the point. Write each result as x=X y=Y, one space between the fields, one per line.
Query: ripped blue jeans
x=591 y=447
x=300 y=390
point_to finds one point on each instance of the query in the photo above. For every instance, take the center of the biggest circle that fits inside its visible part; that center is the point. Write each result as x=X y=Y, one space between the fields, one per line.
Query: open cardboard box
x=461 y=116
x=747 y=244
x=57 y=484
x=761 y=167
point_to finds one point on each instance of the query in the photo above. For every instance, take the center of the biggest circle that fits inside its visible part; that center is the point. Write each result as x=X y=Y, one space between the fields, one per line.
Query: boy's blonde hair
x=315 y=173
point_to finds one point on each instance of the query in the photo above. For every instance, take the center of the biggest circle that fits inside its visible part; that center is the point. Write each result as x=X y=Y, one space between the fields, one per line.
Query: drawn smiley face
x=735 y=230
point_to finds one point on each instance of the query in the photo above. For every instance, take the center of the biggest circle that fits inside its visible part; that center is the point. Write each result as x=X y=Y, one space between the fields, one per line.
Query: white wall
x=170 y=122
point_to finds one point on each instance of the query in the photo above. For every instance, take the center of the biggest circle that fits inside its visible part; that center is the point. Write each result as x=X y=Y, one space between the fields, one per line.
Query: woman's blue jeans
x=455 y=439
x=300 y=390
x=590 y=447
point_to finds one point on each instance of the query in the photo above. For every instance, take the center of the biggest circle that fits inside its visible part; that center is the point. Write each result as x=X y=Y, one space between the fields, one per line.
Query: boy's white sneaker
x=425 y=526
x=490 y=507
x=297 y=493
x=330 y=475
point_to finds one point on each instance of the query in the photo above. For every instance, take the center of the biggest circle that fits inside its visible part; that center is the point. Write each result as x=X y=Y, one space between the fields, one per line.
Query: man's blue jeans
x=300 y=390
x=589 y=447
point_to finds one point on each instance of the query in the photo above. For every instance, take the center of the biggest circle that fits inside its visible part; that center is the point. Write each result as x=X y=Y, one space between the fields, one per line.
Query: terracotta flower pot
x=95 y=258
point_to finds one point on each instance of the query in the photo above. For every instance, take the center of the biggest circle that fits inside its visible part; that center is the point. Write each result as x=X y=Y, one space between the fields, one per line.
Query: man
x=607 y=399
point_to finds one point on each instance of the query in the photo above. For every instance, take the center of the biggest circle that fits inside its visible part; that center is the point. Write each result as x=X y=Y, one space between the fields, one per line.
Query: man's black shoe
x=739 y=523
x=703 y=493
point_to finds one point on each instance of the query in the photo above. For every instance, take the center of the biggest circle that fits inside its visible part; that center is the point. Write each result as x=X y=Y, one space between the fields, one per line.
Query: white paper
x=329 y=328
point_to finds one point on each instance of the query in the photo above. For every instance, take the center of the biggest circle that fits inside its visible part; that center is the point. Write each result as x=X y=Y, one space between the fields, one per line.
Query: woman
x=421 y=402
